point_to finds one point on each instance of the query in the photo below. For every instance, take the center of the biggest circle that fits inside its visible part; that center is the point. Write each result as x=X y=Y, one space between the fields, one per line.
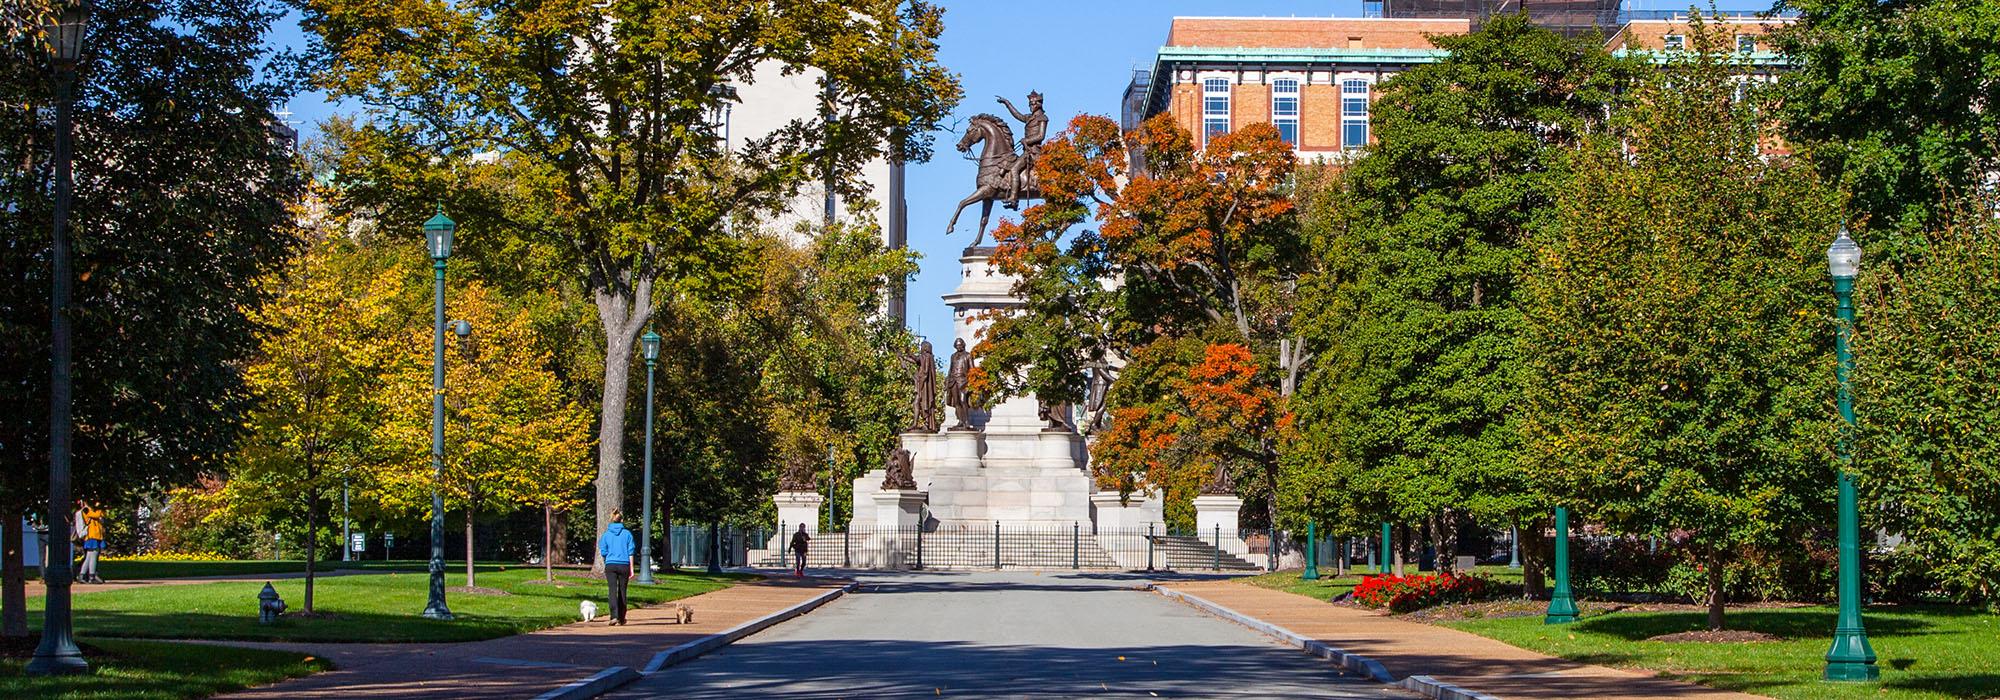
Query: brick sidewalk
x=526 y=665
x=1459 y=658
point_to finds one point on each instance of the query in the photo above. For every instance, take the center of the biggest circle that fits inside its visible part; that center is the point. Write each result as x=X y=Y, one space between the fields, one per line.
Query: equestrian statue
x=1003 y=174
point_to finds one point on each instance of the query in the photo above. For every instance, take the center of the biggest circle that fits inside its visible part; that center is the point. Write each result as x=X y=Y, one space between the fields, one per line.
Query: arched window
x=1285 y=109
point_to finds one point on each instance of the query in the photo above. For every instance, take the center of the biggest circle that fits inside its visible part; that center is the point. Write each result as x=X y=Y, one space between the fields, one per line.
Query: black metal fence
x=998 y=545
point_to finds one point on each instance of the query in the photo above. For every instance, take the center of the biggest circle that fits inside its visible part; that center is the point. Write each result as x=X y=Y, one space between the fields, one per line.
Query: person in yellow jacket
x=89 y=523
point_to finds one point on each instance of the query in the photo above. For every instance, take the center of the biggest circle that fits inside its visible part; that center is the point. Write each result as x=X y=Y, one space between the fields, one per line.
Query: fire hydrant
x=269 y=605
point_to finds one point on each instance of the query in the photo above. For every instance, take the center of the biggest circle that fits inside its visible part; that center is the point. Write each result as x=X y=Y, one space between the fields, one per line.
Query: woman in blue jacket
x=615 y=546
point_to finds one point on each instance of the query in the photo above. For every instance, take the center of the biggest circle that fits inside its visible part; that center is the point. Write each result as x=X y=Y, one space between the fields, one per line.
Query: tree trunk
x=548 y=536
x=1402 y=533
x=559 y=539
x=1533 y=584
x=312 y=543
x=1715 y=592
x=623 y=313
x=1446 y=533
x=468 y=547
x=13 y=576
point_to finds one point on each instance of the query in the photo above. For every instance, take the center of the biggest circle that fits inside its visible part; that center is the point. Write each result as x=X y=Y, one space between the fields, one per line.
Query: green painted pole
x=1850 y=658
x=1562 y=606
x=1312 y=553
x=1382 y=562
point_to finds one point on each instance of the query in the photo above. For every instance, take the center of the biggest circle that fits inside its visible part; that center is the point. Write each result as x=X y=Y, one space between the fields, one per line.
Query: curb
x=1366 y=667
x=597 y=684
x=718 y=640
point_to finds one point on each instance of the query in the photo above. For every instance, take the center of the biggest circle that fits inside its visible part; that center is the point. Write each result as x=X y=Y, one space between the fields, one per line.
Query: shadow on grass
x=1788 y=623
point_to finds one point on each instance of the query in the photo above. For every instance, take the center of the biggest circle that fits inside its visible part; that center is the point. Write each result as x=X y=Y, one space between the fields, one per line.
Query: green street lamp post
x=57 y=654
x=1850 y=658
x=438 y=232
x=650 y=344
x=1382 y=567
x=1312 y=553
x=1562 y=605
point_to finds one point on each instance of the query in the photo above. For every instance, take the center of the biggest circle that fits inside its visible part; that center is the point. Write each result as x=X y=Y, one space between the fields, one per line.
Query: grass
x=135 y=670
x=360 y=608
x=1326 y=587
x=1924 y=651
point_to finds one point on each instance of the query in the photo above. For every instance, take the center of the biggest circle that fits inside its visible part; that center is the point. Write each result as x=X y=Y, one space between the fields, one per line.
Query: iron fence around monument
x=1000 y=545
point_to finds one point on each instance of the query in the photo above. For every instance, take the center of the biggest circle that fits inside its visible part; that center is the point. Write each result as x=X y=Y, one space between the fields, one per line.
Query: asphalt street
x=1005 y=635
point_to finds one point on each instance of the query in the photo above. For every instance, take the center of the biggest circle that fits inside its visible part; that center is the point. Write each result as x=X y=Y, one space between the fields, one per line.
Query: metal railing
x=998 y=545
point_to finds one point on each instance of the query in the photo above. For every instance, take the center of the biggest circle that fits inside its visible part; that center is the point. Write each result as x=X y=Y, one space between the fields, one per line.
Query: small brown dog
x=683 y=614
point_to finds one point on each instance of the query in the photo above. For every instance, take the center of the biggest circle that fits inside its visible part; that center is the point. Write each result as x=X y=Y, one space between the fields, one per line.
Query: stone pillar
x=1056 y=450
x=1121 y=526
x=898 y=514
x=958 y=489
x=795 y=507
x=1215 y=513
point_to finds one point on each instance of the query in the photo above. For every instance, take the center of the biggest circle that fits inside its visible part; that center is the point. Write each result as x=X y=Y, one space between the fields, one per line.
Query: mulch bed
x=1717 y=636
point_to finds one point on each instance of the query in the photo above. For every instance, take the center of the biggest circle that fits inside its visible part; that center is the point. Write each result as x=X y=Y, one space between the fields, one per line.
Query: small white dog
x=588 y=609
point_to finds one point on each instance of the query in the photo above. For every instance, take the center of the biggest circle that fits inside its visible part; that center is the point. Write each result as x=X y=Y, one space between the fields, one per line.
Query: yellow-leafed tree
x=512 y=436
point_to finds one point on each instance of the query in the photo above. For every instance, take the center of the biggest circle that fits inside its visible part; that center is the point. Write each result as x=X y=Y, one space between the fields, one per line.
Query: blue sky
x=1079 y=53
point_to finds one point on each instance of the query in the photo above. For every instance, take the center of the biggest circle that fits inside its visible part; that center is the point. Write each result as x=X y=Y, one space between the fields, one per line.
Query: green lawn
x=132 y=670
x=127 y=570
x=376 y=608
x=1924 y=652
x=1327 y=586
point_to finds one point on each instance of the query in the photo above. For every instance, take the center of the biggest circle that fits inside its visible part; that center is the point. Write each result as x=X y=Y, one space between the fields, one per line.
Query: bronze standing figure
x=923 y=380
x=957 y=392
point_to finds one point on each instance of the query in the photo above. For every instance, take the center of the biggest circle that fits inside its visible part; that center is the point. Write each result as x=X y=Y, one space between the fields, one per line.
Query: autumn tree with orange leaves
x=1183 y=271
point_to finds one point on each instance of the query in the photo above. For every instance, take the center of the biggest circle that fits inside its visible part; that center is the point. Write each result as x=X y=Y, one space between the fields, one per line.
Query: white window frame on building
x=1285 y=93
x=1674 y=42
x=1216 y=101
x=1353 y=91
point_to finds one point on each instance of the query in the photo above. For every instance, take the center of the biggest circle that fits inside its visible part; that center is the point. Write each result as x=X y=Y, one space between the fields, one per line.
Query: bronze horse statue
x=996 y=161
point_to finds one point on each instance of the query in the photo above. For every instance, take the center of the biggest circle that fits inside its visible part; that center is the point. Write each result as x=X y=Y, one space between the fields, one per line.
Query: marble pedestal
x=795 y=507
x=898 y=514
x=1124 y=522
x=1218 y=513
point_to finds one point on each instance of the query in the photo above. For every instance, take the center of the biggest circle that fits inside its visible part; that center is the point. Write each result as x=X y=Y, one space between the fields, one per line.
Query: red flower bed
x=1402 y=594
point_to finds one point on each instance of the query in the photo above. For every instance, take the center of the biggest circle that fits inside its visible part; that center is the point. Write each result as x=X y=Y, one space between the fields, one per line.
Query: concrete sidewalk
x=1458 y=658
x=526 y=665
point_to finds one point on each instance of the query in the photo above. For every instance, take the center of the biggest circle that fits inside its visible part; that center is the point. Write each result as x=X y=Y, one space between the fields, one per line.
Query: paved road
x=1005 y=635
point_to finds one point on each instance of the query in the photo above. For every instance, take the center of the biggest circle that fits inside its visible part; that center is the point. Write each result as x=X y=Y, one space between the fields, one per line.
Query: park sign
x=357 y=542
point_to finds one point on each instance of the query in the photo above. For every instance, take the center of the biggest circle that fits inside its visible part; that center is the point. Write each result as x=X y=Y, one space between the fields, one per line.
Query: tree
x=1415 y=315
x=1677 y=314
x=1924 y=371
x=1864 y=70
x=329 y=342
x=512 y=435
x=603 y=109
x=182 y=186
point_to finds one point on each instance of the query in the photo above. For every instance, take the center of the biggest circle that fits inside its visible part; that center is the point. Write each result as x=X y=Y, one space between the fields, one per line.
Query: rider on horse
x=1034 y=128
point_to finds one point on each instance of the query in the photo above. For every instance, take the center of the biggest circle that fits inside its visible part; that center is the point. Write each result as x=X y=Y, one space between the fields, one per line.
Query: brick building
x=1315 y=78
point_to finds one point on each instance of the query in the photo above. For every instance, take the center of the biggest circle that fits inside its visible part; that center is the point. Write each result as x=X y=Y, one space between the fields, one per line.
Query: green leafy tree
x=602 y=112
x=1677 y=345
x=512 y=435
x=329 y=345
x=1893 y=100
x=1924 y=373
x=1410 y=406
x=182 y=187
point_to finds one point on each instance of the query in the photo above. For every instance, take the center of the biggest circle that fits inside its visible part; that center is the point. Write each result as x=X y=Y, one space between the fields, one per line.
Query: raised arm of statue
x=1018 y=116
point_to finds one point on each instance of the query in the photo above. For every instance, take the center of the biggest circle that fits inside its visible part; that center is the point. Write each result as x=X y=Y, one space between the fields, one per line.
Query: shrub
x=1401 y=594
